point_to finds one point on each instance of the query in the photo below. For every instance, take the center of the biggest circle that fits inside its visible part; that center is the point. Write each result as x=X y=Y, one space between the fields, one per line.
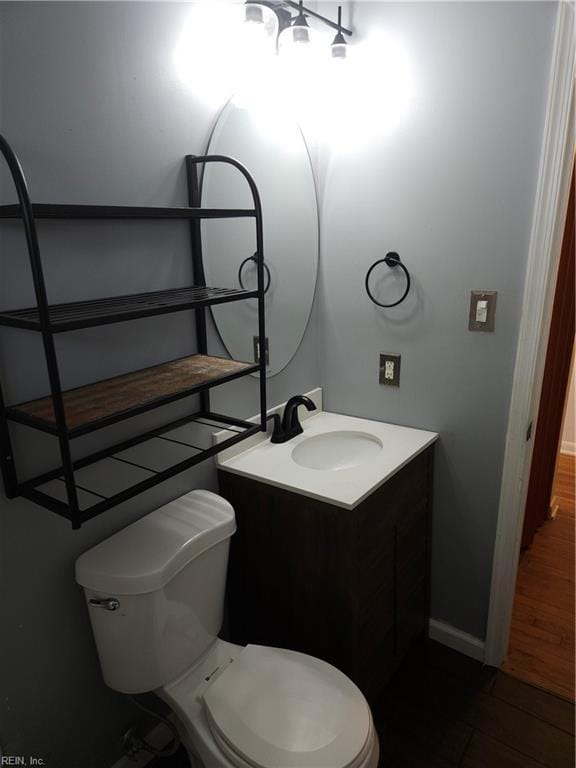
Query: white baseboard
x=567 y=447
x=159 y=737
x=454 y=638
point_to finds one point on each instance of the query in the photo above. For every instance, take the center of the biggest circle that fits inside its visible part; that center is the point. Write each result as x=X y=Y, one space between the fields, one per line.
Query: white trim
x=456 y=639
x=545 y=243
x=567 y=447
x=159 y=737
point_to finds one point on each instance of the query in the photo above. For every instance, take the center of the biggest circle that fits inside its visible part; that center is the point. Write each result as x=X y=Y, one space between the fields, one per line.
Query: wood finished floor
x=541 y=650
x=443 y=709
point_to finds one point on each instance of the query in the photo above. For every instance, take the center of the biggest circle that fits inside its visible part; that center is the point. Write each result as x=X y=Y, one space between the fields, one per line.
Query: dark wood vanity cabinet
x=348 y=586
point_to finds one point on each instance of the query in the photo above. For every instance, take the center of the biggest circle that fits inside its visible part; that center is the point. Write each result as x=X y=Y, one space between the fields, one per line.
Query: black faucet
x=290 y=426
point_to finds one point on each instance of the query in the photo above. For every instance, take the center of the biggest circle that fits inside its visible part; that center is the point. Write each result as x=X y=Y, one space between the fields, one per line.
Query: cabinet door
x=291 y=580
x=259 y=605
x=411 y=576
x=375 y=634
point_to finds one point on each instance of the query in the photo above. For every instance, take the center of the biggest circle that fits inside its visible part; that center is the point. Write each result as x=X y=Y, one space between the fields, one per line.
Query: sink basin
x=336 y=450
x=336 y=459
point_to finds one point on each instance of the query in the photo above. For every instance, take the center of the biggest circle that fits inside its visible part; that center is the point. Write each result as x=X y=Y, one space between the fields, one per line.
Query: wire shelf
x=63 y=211
x=107 y=478
x=117 y=309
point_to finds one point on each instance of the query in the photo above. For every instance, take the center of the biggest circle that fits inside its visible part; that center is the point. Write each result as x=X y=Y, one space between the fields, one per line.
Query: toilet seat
x=274 y=707
x=364 y=760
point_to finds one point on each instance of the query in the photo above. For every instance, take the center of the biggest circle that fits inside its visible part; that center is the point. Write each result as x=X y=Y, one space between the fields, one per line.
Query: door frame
x=559 y=353
x=542 y=268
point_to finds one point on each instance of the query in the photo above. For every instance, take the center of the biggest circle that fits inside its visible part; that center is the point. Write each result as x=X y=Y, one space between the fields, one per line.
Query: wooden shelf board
x=121 y=396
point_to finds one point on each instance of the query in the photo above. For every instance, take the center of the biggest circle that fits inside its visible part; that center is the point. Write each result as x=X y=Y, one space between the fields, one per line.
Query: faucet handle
x=277 y=432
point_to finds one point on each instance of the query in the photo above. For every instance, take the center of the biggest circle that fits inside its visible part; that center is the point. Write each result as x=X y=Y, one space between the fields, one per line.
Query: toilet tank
x=162 y=582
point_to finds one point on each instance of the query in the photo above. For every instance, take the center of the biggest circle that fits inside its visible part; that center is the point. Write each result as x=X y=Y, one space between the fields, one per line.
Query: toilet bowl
x=271 y=708
x=155 y=595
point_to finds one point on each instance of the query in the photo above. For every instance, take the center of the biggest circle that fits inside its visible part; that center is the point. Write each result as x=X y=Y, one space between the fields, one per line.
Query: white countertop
x=272 y=463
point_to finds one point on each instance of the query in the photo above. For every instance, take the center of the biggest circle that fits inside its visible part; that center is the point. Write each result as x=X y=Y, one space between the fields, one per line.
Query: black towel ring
x=392 y=259
x=254 y=258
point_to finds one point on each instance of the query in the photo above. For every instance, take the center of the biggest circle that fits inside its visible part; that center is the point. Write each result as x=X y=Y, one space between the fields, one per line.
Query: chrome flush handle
x=108 y=603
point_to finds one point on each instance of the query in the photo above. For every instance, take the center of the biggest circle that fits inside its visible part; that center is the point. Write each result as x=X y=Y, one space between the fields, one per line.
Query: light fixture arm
x=300 y=20
x=294 y=30
x=338 y=27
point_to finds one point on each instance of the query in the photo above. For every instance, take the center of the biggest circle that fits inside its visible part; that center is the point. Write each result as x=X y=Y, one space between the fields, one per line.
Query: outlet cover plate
x=257 y=350
x=390 y=369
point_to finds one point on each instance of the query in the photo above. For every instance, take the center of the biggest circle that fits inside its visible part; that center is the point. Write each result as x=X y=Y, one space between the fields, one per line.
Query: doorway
x=541 y=647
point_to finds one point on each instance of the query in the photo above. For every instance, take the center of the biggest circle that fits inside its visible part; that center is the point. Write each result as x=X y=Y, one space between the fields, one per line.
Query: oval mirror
x=274 y=152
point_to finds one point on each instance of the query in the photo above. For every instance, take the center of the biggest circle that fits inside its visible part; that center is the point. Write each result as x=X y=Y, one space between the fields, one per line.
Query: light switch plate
x=482 y=311
x=390 y=369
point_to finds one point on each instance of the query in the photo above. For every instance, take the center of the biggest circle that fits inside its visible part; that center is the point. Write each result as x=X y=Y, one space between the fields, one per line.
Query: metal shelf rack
x=59 y=211
x=77 y=489
x=85 y=314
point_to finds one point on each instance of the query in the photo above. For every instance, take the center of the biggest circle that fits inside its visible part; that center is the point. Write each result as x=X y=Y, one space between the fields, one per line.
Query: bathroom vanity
x=339 y=570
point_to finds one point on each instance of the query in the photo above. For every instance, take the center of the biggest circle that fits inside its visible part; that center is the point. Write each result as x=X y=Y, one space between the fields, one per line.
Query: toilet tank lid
x=147 y=554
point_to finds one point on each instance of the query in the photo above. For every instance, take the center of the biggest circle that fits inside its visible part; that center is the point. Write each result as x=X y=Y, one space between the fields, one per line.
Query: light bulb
x=339 y=48
x=298 y=37
x=260 y=25
x=297 y=41
x=339 y=43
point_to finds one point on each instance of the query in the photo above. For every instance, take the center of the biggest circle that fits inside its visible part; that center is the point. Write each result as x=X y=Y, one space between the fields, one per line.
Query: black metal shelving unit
x=75 y=489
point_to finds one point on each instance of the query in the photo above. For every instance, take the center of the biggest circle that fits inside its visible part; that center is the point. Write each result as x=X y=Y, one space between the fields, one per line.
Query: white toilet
x=155 y=593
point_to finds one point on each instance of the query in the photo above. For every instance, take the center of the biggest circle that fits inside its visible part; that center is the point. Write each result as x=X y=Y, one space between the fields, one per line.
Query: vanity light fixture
x=338 y=46
x=275 y=20
x=298 y=33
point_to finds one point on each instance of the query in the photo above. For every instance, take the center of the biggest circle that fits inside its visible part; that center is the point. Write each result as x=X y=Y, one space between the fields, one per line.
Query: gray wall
x=452 y=190
x=91 y=101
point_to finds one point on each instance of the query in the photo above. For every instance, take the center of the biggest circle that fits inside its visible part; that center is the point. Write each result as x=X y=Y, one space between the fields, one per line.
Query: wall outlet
x=390 y=369
x=482 y=310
